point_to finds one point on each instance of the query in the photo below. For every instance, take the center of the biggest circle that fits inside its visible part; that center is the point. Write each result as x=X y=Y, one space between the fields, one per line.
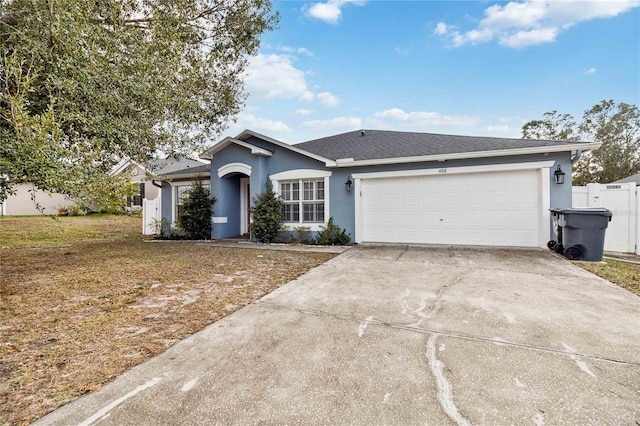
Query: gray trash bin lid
x=595 y=211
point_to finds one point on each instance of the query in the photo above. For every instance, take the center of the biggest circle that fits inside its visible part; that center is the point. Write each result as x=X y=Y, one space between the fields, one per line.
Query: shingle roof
x=170 y=165
x=633 y=178
x=381 y=144
x=202 y=169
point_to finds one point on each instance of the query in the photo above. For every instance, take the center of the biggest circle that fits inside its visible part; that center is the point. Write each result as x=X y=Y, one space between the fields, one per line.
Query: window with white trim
x=303 y=200
x=181 y=194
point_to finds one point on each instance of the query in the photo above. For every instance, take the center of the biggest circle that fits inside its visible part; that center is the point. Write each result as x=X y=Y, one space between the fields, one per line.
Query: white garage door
x=489 y=208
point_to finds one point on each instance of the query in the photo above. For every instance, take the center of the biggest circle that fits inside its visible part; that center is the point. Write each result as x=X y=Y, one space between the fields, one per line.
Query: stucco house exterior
x=146 y=175
x=395 y=187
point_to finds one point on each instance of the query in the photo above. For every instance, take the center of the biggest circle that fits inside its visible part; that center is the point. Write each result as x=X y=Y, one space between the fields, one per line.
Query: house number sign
x=442 y=171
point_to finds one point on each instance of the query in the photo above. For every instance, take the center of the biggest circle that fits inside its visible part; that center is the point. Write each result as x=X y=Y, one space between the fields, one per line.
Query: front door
x=245 y=206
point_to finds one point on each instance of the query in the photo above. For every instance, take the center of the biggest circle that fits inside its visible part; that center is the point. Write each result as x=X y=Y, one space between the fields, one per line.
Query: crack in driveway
x=445 y=392
x=446 y=333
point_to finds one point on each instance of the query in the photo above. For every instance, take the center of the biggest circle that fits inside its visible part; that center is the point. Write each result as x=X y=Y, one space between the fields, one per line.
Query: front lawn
x=86 y=298
x=624 y=274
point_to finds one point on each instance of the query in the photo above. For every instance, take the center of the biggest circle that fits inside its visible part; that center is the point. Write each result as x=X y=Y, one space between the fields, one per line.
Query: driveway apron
x=400 y=335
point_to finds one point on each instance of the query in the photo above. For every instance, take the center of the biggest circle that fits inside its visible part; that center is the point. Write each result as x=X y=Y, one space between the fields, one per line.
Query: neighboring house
x=395 y=187
x=176 y=185
x=630 y=179
x=22 y=203
x=147 y=176
x=27 y=200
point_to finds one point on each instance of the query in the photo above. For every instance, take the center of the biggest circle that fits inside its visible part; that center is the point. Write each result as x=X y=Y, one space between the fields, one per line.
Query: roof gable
x=157 y=166
x=242 y=138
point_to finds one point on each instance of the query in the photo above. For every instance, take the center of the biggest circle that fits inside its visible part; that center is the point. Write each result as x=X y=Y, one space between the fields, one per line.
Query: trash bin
x=580 y=232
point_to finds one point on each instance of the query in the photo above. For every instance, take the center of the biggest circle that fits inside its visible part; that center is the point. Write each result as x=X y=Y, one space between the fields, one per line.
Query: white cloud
x=517 y=119
x=334 y=124
x=529 y=38
x=328 y=99
x=401 y=51
x=330 y=11
x=262 y=125
x=302 y=112
x=274 y=76
x=590 y=71
x=420 y=120
x=502 y=130
x=441 y=28
x=297 y=50
x=519 y=24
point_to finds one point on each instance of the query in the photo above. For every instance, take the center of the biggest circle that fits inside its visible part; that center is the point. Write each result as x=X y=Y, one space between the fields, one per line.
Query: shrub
x=332 y=235
x=302 y=234
x=195 y=218
x=267 y=216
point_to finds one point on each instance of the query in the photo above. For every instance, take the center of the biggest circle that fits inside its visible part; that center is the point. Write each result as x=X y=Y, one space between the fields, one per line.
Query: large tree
x=615 y=125
x=86 y=83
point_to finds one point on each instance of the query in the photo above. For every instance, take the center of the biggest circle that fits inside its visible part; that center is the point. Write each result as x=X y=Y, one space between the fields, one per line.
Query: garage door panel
x=495 y=208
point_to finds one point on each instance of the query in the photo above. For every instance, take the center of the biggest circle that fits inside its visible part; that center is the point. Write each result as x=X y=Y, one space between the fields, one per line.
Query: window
x=181 y=194
x=136 y=199
x=290 y=193
x=311 y=204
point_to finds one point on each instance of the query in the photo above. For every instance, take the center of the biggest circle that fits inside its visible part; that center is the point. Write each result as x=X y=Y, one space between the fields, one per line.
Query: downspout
x=576 y=156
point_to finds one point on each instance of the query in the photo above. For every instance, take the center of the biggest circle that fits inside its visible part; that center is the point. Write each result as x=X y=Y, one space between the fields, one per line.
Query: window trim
x=174 y=196
x=300 y=175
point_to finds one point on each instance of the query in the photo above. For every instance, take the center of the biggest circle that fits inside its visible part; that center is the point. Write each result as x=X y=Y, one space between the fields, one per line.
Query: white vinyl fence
x=150 y=216
x=623 y=233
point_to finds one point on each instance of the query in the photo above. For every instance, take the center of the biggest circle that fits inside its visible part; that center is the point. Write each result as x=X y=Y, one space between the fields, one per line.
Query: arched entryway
x=234 y=211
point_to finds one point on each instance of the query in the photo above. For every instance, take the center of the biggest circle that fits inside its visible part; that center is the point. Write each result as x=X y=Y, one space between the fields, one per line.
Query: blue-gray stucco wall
x=342 y=206
x=227 y=189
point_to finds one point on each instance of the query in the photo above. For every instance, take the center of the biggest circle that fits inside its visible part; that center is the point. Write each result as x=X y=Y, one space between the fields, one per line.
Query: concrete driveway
x=400 y=335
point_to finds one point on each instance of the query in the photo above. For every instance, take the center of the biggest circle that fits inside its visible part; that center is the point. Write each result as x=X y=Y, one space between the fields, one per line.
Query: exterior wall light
x=348 y=184
x=558 y=176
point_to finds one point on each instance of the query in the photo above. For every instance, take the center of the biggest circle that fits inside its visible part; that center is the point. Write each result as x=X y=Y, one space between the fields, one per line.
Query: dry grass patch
x=624 y=274
x=86 y=298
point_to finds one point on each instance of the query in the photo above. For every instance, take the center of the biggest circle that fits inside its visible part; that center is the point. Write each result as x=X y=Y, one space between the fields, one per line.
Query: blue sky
x=458 y=67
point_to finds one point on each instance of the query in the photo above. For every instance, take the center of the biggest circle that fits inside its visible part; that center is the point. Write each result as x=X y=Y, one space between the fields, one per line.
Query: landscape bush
x=195 y=217
x=267 y=216
x=332 y=235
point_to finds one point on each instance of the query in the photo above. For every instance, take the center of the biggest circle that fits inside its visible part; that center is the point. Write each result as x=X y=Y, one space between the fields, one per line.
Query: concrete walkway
x=400 y=335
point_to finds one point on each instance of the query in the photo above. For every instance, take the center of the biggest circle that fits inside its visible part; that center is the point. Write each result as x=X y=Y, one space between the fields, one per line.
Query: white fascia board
x=345 y=160
x=300 y=174
x=123 y=165
x=255 y=150
x=479 y=154
x=456 y=170
x=248 y=133
x=188 y=182
x=185 y=176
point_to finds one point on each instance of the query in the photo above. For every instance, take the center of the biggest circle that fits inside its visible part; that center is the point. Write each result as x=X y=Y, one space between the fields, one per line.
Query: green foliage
x=267 y=216
x=84 y=84
x=302 y=234
x=616 y=126
x=195 y=218
x=552 y=127
x=332 y=235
